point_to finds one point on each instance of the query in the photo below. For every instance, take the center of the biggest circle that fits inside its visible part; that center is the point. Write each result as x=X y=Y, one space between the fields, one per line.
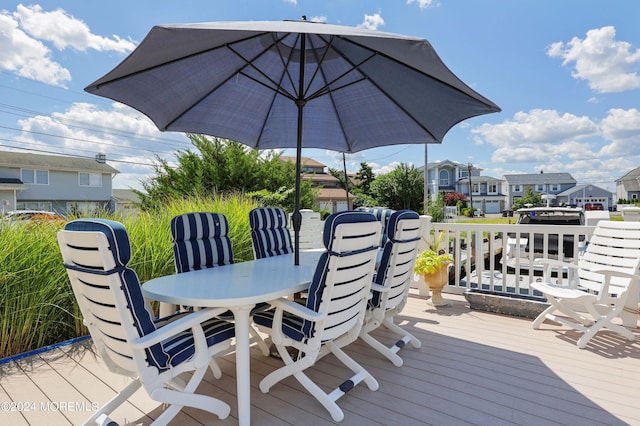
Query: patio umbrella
x=292 y=84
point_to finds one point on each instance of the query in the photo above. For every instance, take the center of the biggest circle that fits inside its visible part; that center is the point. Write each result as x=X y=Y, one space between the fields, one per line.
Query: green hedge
x=37 y=307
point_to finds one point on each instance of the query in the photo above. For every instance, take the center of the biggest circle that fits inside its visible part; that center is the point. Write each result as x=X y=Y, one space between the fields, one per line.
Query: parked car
x=594 y=206
x=562 y=216
x=30 y=215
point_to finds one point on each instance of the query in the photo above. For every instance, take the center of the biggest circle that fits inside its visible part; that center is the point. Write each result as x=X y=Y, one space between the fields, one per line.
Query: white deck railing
x=502 y=264
x=488 y=256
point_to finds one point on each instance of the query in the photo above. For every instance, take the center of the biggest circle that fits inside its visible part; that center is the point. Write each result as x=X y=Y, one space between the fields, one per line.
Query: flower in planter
x=433 y=258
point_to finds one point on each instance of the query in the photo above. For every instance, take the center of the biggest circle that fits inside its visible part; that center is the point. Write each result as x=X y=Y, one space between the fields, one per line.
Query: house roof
x=13 y=159
x=125 y=195
x=633 y=175
x=309 y=162
x=586 y=188
x=320 y=177
x=540 y=178
x=333 y=194
x=11 y=184
x=480 y=179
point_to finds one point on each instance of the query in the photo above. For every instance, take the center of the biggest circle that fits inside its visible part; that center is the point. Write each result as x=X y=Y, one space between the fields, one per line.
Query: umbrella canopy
x=292 y=84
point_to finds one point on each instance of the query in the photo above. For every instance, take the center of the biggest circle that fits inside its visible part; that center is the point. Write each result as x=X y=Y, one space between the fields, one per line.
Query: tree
x=218 y=166
x=529 y=197
x=402 y=188
x=452 y=198
x=365 y=178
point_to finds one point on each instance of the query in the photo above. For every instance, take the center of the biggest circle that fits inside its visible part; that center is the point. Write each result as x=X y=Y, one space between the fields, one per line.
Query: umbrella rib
x=390 y=98
x=329 y=92
x=279 y=85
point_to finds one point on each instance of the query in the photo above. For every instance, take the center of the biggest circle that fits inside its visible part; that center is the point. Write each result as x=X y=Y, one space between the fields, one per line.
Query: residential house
x=125 y=201
x=451 y=176
x=628 y=186
x=552 y=184
x=331 y=196
x=54 y=183
x=580 y=195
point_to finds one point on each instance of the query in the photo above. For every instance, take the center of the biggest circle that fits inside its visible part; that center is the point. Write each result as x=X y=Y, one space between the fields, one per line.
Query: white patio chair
x=130 y=342
x=200 y=241
x=390 y=288
x=602 y=286
x=334 y=312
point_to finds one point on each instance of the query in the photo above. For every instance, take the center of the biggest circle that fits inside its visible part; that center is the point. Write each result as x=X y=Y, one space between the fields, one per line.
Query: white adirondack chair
x=602 y=286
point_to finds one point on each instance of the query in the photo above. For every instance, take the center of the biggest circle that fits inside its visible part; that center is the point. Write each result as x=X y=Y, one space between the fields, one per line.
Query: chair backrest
x=382 y=214
x=269 y=233
x=96 y=253
x=343 y=277
x=200 y=241
x=614 y=245
x=398 y=258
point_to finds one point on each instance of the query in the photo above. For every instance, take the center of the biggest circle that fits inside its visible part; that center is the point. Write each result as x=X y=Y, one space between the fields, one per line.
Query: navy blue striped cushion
x=269 y=233
x=200 y=240
x=393 y=226
x=182 y=347
x=382 y=214
x=120 y=248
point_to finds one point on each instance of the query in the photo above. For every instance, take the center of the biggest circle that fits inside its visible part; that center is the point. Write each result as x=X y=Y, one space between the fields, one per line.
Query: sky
x=566 y=75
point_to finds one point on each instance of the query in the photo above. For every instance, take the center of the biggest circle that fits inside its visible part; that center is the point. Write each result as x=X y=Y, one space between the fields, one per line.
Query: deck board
x=474 y=368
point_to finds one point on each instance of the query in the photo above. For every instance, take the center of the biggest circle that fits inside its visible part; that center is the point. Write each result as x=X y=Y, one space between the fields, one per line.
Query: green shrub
x=38 y=307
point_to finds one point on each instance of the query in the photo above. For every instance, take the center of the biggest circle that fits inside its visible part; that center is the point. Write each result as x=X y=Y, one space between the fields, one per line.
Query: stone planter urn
x=436 y=281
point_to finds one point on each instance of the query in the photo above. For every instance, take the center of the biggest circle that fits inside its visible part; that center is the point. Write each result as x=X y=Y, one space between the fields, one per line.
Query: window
x=517 y=188
x=35 y=177
x=90 y=179
x=476 y=188
x=86 y=207
x=555 y=187
x=34 y=205
x=492 y=188
x=539 y=188
x=444 y=178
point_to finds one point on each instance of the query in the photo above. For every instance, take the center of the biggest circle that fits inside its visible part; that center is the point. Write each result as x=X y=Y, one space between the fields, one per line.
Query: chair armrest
x=189 y=321
x=296 y=309
x=379 y=288
x=549 y=263
x=608 y=274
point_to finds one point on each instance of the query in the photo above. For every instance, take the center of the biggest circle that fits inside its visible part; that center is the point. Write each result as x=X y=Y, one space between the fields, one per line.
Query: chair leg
x=177 y=400
x=255 y=336
x=389 y=353
x=407 y=337
x=101 y=416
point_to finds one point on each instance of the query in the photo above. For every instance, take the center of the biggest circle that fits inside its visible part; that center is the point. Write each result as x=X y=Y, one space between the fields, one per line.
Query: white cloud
x=607 y=65
x=535 y=127
x=372 y=22
x=293 y=2
x=384 y=169
x=622 y=128
x=65 y=31
x=320 y=18
x=27 y=56
x=423 y=4
x=125 y=135
x=23 y=51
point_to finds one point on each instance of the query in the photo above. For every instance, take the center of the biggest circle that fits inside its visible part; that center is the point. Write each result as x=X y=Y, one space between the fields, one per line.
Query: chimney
x=101 y=158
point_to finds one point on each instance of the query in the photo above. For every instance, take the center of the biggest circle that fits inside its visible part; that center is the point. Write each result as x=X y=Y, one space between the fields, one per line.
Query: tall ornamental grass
x=37 y=305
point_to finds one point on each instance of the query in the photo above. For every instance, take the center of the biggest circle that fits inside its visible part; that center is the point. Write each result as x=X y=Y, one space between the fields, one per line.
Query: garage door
x=492 y=206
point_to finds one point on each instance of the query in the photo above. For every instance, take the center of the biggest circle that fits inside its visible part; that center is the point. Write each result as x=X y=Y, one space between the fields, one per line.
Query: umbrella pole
x=296 y=218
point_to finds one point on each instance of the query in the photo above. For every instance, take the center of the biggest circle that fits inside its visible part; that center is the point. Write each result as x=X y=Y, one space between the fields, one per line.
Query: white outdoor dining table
x=239 y=287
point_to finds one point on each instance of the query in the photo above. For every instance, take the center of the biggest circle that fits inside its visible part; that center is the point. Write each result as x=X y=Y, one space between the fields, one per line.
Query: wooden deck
x=473 y=368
